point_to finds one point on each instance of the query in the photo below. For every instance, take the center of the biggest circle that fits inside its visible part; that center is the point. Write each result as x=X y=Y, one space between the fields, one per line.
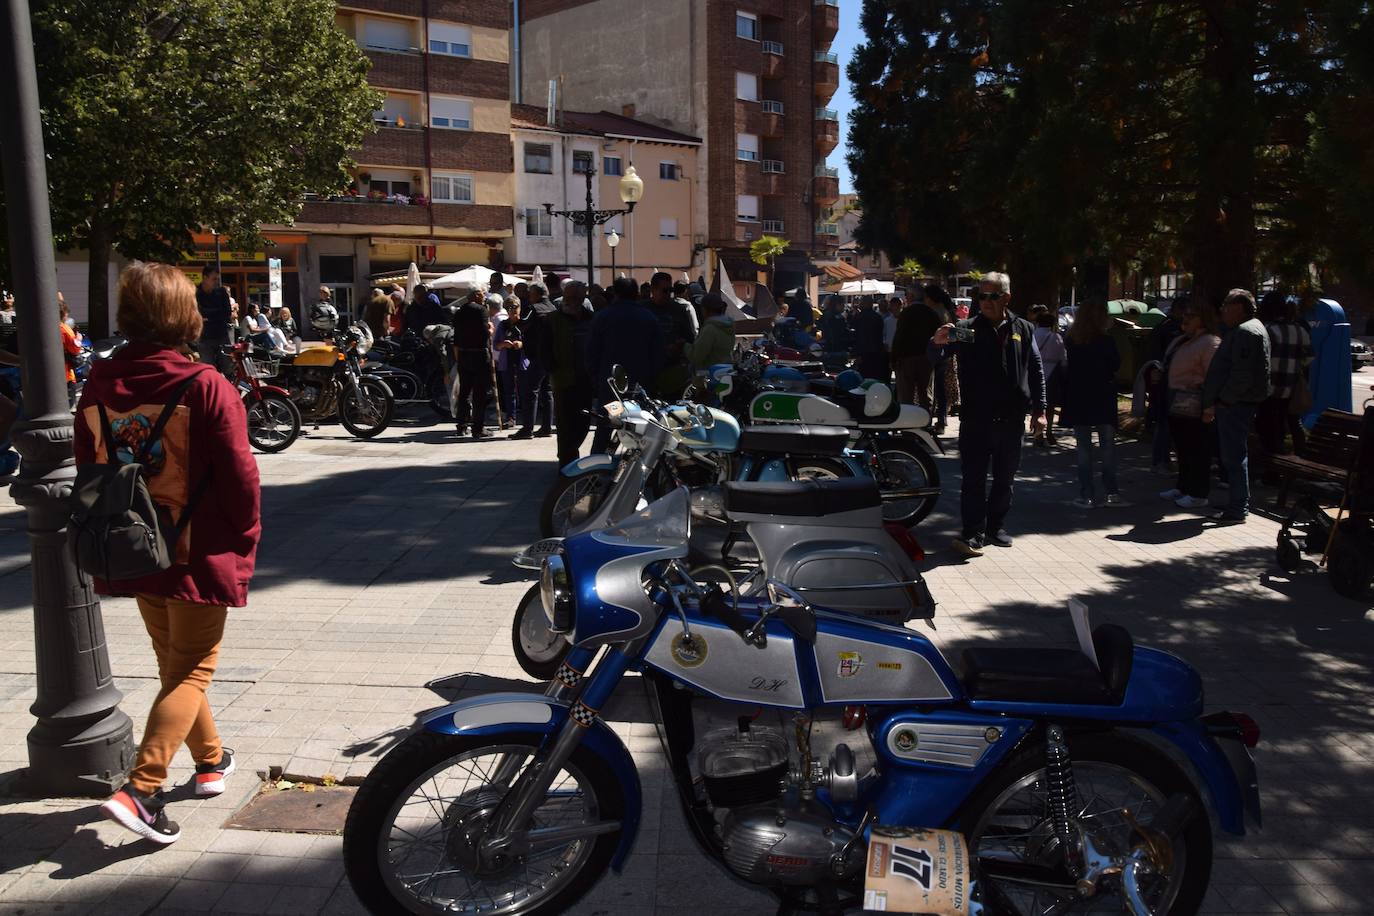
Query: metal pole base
x=75 y=758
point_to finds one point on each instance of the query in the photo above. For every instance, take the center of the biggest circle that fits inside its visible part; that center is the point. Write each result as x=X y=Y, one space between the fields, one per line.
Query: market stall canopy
x=467 y=278
x=867 y=288
x=842 y=271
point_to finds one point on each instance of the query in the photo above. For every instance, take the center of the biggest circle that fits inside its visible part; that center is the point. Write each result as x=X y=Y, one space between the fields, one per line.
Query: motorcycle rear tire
x=911 y=515
x=270 y=402
x=378 y=390
x=807 y=468
x=440 y=397
x=424 y=750
x=536 y=651
x=549 y=527
x=1113 y=749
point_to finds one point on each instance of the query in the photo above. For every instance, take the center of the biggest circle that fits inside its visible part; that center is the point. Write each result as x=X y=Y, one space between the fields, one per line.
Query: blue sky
x=849 y=35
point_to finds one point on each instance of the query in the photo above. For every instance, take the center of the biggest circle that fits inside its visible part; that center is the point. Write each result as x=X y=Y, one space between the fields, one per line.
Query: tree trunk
x=98 y=281
x=1222 y=228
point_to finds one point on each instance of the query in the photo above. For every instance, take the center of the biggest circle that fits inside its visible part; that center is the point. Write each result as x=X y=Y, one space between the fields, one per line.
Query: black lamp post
x=631 y=190
x=82 y=743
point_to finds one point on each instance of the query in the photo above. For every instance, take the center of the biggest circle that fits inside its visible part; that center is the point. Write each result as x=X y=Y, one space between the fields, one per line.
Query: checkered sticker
x=583 y=715
x=567 y=675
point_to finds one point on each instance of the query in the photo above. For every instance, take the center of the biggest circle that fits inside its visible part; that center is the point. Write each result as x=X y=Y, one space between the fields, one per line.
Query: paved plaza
x=384 y=567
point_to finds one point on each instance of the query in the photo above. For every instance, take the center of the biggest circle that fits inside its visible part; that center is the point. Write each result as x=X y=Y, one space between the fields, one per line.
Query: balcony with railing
x=828 y=233
x=825 y=73
x=826 y=185
x=771 y=123
x=772 y=60
x=827 y=136
x=773 y=226
x=825 y=21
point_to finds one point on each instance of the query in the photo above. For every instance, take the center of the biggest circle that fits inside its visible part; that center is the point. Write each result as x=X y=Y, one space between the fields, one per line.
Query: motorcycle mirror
x=800 y=620
x=619 y=377
x=705 y=416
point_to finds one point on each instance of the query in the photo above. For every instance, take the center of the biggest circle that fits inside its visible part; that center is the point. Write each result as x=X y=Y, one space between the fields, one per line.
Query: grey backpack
x=116 y=530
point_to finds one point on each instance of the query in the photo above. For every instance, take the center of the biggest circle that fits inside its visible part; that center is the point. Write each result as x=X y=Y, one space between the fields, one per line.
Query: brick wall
x=363 y=214
x=391 y=70
x=486 y=217
x=459 y=76
x=489 y=13
x=394 y=146
x=461 y=149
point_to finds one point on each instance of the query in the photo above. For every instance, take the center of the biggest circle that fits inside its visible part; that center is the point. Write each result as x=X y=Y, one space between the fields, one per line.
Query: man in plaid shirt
x=1290 y=351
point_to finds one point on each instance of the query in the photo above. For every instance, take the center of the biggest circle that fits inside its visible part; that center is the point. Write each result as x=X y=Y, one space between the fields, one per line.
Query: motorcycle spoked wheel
x=538 y=650
x=571 y=500
x=402 y=844
x=908 y=468
x=440 y=397
x=366 y=410
x=1019 y=862
x=274 y=421
x=820 y=469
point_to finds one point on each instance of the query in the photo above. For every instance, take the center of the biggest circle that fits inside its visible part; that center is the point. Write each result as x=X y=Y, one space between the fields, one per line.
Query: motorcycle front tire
x=912 y=511
x=417 y=755
x=378 y=391
x=538 y=650
x=440 y=397
x=268 y=404
x=551 y=527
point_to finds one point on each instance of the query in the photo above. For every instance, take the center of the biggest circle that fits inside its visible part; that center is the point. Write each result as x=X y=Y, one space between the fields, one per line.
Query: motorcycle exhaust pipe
x=910 y=493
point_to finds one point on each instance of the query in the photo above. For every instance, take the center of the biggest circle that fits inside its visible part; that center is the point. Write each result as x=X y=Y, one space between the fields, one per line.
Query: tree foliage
x=166 y=117
x=1220 y=136
x=766 y=248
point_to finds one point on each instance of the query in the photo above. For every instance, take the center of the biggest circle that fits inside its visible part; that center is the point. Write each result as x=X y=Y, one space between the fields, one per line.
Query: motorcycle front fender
x=506 y=713
x=588 y=463
x=272 y=388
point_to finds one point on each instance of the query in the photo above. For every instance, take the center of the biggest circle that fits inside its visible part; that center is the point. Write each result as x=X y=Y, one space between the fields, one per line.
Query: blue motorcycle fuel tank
x=722 y=436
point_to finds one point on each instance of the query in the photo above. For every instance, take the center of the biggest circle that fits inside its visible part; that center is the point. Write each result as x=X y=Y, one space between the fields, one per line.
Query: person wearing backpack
x=162 y=447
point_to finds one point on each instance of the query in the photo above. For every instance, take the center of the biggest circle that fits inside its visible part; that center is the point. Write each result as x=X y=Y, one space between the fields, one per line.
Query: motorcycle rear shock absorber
x=1062 y=796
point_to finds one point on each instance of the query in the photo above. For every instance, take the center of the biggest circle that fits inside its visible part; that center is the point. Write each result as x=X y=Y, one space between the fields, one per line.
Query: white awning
x=867 y=288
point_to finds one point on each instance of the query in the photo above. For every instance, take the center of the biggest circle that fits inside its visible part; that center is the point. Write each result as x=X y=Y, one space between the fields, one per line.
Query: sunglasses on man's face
x=984 y=297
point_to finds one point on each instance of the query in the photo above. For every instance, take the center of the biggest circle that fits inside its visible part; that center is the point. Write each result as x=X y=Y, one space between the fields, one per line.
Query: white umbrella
x=734 y=305
x=538 y=275
x=467 y=278
x=412 y=281
x=867 y=288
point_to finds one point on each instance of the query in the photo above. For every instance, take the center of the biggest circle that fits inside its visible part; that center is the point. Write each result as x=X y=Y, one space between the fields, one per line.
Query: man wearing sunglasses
x=1001 y=380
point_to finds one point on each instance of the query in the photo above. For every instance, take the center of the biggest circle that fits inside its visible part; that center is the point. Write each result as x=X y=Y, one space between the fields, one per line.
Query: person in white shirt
x=1054 y=357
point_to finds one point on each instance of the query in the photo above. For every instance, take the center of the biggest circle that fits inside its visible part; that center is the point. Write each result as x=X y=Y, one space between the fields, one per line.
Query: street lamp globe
x=613 y=239
x=631 y=187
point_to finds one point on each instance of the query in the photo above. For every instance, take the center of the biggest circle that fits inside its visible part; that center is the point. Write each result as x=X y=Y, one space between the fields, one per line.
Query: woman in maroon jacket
x=202 y=465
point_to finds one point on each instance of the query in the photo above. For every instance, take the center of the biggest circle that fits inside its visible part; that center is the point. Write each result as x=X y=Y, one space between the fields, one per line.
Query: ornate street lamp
x=82 y=743
x=631 y=191
x=614 y=241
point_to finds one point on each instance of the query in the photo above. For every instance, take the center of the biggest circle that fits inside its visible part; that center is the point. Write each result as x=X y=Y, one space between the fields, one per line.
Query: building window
x=582 y=161
x=539 y=158
x=454 y=40
x=747 y=86
x=389 y=35
x=453 y=189
x=667 y=227
x=747 y=147
x=747 y=207
x=388 y=187
x=667 y=171
x=610 y=165
x=538 y=224
x=746 y=25
x=452 y=114
x=396 y=111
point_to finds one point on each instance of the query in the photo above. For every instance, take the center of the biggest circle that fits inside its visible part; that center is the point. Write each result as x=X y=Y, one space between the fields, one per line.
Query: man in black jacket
x=212 y=301
x=472 y=360
x=916 y=325
x=1001 y=379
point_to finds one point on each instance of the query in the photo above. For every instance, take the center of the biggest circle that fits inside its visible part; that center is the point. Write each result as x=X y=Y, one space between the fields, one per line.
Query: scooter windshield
x=666 y=522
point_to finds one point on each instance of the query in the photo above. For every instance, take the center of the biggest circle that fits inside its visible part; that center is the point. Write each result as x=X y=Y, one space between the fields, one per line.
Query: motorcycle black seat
x=793 y=440
x=802 y=498
x=1053 y=675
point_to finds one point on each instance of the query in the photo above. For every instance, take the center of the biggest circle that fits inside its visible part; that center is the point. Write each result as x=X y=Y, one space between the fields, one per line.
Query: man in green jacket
x=716 y=342
x=1237 y=383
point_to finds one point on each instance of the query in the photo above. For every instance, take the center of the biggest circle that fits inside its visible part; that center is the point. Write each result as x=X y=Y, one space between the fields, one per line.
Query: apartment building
x=753 y=78
x=434 y=183
x=551 y=165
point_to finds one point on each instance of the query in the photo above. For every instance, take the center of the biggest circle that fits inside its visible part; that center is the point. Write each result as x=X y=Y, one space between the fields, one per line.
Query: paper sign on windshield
x=917 y=871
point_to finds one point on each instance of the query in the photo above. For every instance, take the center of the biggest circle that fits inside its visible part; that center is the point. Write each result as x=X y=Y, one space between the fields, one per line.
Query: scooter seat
x=802 y=498
x=1053 y=675
x=794 y=440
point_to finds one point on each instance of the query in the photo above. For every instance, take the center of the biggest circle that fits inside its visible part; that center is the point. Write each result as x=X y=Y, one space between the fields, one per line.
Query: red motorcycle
x=274 y=420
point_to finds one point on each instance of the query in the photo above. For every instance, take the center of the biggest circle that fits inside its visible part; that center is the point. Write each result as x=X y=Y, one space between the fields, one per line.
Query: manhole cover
x=296 y=810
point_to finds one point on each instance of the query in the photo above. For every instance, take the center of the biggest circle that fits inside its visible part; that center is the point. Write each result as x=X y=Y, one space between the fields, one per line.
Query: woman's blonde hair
x=157 y=304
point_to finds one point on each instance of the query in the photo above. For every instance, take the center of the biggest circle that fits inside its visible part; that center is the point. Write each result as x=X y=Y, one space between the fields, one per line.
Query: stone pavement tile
x=295 y=901
x=193 y=896
x=1249 y=898
x=246 y=898
x=343 y=902
x=136 y=895
x=217 y=866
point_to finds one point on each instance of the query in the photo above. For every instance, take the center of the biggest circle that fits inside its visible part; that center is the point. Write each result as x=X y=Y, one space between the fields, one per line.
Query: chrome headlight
x=555 y=592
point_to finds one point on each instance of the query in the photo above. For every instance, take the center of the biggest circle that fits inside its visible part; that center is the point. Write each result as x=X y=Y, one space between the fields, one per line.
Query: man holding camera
x=1001 y=379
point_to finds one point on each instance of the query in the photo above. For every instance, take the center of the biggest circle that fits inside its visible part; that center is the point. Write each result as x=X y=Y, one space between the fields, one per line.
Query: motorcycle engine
x=772 y=833
x=306 y=396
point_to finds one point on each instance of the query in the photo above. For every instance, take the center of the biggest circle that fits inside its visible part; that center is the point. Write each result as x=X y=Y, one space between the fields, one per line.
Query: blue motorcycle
x=1058 y=770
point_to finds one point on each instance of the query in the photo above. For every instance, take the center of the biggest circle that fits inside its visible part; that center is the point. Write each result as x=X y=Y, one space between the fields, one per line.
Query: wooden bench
x=1339 y=451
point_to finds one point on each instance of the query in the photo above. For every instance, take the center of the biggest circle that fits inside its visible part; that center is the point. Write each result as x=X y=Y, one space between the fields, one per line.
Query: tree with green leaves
x=167 y=117
x=1212 y=136
x=765 y=251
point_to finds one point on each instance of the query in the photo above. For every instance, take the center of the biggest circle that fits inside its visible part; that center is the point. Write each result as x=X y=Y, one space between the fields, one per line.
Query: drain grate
x=297 y=810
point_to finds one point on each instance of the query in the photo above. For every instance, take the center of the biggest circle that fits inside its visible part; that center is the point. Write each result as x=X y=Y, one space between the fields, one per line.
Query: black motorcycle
x=413 y=368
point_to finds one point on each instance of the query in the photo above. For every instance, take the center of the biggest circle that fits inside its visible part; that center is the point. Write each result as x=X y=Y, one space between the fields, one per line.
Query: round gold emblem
x=688 y=651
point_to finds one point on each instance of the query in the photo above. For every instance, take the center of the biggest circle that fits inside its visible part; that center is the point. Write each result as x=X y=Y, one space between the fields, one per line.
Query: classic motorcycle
x=824 y=538
x=413 y=369
x=328 y=381
x=1046 y=761
x=274 y=421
